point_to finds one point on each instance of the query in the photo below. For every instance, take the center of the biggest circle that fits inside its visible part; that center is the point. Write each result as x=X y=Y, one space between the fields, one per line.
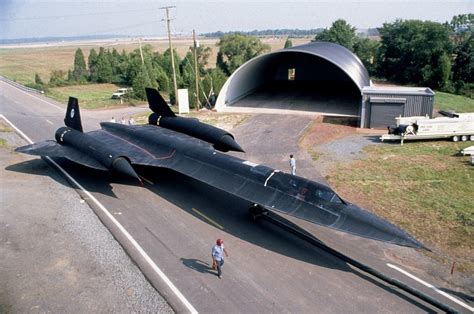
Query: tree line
x=413 y=52
x=408 y=52
x=294 y=33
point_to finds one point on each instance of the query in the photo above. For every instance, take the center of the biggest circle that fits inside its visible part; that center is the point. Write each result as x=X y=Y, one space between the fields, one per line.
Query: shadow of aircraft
x=465 y=297
x=102 y=179
x=223 y=208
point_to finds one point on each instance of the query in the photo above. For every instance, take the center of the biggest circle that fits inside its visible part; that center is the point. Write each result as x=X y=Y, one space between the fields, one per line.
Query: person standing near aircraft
x=112 y=120
x=218 y=251
x=293 y=165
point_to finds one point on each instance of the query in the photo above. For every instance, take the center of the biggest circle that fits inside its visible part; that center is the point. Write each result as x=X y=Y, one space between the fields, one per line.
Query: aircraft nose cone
x=227 y=143
x=367 y=224
x=121 y=165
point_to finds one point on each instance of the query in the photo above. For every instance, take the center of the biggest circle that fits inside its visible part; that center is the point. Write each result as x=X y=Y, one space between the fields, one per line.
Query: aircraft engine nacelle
x=221 y=139
x=87 y=151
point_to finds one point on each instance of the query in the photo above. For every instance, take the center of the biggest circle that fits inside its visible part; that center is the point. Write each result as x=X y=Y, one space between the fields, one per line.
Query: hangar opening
x=317 y=77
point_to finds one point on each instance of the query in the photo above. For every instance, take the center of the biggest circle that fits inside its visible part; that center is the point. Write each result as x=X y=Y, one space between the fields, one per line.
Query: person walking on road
x=218 y=252
x=293 y=165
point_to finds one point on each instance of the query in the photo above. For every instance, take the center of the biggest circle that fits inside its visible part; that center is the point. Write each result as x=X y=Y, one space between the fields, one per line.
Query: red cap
x=219 y=241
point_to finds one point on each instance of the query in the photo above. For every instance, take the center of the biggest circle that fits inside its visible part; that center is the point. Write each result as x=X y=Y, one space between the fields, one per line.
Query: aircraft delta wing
x=191 y=148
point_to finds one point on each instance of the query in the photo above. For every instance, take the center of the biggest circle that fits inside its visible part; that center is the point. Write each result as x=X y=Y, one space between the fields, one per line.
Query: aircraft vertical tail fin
x=73 y=115
x=157 y=104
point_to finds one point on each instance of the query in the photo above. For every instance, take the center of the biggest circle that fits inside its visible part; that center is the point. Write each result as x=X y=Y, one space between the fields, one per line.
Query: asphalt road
x=176 y=221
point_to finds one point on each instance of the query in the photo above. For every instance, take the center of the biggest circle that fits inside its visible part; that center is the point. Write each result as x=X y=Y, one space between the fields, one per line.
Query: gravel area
x=55 y=254
x=341 y=150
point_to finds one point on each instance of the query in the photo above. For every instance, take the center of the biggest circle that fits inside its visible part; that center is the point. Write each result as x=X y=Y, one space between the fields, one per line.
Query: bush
x=466 y=89
x=39 y=87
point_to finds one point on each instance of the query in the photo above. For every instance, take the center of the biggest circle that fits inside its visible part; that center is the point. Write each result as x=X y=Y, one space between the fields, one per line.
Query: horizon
x=29 y=19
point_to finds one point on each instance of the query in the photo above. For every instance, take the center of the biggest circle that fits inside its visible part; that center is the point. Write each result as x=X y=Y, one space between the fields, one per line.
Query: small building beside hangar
x=322 y=78
x=381 y=105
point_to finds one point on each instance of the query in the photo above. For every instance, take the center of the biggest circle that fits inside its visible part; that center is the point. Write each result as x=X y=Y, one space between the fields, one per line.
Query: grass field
x=422 y=187
x=21 y=64
x=90 y=96
x=445 y=101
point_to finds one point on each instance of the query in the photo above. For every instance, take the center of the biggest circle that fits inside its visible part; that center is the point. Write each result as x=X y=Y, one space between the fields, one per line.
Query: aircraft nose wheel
x=256 y=211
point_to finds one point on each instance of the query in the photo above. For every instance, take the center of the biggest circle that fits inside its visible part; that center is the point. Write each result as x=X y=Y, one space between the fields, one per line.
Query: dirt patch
x=226 y=121
x=320 y=133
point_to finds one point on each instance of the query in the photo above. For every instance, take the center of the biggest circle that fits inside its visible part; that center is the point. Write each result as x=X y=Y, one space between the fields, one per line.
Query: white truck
x=457 y=126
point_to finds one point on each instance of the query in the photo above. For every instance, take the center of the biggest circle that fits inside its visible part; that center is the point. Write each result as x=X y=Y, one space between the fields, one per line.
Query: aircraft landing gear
x=256 y=211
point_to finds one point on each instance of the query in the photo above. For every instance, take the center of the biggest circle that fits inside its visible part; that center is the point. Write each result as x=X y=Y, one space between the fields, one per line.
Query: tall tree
x=415 y=52
x=340 y=33
x=92 y=64
x=140 y=82
x=236 y=49
x=104 y=67
x=162 y=79
x=203 y=54
x=288 y=43
x=462 y=23
x=366 y=50
x=79 y=73
x=463 y=67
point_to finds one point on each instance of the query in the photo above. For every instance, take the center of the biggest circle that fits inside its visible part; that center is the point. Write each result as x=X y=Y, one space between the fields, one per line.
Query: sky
x=69 y=18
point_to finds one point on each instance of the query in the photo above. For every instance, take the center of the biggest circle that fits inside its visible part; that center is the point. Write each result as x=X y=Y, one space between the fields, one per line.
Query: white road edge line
x=431 y=287
x=119 y=226
x=47 y=102
x=49 y=122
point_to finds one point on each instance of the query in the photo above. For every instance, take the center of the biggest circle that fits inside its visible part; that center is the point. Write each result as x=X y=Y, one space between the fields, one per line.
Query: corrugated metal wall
x=415 y=105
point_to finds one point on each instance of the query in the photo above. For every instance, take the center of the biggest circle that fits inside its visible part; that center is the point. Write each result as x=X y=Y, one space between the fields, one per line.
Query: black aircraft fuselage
x=191 y=149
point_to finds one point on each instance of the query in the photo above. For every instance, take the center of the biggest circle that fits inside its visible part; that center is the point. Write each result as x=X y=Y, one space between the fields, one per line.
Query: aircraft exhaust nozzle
x=121 y=165
x=227 y=143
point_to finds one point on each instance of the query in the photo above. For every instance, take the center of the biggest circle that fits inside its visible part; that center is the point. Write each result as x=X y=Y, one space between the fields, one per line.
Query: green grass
x=423 y=187
x=445 y=101
x=3 y=143
x=91 y=96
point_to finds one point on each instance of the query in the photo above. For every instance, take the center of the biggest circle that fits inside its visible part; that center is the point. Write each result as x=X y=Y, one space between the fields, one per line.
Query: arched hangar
x=317 y=77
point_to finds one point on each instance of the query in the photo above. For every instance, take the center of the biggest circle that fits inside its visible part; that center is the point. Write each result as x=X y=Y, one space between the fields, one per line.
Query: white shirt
x=293 y=162
x=218 y=251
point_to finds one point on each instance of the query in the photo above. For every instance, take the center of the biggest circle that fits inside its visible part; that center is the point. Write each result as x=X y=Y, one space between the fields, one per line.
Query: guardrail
x=22 y=87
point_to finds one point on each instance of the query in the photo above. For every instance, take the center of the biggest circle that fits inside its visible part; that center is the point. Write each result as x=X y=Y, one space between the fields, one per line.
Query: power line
x=122 y=27
x=72 y=15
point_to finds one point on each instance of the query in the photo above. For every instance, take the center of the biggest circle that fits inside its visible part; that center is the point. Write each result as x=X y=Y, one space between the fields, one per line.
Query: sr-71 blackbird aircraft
x=196 y=150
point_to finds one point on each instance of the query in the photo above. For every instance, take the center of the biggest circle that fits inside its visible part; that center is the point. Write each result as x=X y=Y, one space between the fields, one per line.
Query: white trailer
x=458 y=127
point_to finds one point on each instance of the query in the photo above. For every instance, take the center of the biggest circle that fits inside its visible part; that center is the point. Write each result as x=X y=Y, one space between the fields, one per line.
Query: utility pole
x=196 y=69
x=141 y=51
x=171 y=51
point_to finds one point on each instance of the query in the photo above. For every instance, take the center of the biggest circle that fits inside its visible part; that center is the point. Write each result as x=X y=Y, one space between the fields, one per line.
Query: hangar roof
x=339 y=56
x=245 y=79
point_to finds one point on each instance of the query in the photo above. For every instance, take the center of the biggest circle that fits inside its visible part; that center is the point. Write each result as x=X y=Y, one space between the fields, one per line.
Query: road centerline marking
x=426 y=284
x=127 y=235
x=207 y=218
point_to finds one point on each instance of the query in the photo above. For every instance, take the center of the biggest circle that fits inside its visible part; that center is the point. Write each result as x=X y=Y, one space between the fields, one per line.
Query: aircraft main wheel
x=464 y=138
x=471 y=137
x=455 y=138
x=255 y=211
